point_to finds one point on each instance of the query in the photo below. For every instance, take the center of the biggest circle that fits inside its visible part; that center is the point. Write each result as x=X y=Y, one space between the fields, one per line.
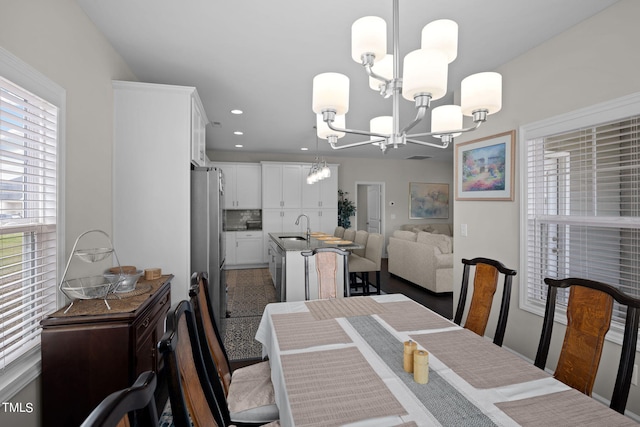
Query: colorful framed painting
x=428 y=200
x=485 y=168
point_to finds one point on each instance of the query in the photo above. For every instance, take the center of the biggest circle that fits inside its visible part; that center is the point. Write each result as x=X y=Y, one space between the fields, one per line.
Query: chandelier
x=319 y=169
x=424 y=80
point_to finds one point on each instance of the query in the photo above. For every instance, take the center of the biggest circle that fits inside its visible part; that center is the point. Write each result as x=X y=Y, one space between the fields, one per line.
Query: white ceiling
x=261 y=56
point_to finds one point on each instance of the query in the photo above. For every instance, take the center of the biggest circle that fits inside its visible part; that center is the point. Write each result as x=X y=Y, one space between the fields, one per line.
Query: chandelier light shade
x=369 y=35
x=445 y=118
x=381 y=124
x=482 y=91
x=331 y=92
x=424 y=79
x=425 y=72
x=441 y=35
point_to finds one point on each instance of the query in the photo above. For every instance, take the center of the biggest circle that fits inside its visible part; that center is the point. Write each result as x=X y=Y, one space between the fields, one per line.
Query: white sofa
x=423 y=258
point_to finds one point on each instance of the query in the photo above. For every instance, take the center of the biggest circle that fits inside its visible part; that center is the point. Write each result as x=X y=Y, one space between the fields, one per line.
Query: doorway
x=370 y=206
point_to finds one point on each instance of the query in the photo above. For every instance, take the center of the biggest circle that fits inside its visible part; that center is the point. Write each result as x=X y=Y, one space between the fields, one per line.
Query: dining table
x=340 y=362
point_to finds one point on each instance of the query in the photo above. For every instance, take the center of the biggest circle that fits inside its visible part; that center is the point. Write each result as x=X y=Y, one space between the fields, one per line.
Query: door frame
x=381 y=185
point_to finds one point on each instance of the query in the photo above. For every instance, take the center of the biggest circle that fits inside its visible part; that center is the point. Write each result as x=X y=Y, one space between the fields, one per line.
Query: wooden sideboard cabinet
x=92 y=351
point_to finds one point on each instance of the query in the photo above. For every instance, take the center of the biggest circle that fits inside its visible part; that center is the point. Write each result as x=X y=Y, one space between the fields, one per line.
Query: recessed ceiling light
x=238 y=133
x=236 y=111
x=304 y=149
x=239 y=145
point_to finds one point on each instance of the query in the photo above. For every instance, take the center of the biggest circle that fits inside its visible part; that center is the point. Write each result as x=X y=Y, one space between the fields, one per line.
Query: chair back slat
x=208 y=333
x=589 y=313
x=327 y=268
x=326 y=260
x=485 y=284
x=193 y=401
x=199 y=409
x=588 y=320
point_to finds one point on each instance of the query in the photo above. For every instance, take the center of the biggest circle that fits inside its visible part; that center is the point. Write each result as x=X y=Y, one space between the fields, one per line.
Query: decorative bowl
x=127 y=282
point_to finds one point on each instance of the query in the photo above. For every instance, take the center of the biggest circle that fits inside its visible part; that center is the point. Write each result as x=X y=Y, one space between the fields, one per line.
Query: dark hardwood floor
x=391 y=284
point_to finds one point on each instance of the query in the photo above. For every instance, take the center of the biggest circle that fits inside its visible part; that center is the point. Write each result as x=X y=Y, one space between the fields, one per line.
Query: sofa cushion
x=435 y=228
x=441 y=241
x=405 y=235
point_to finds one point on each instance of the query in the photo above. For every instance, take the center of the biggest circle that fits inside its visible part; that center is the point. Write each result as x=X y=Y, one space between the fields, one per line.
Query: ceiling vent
x=418 y=158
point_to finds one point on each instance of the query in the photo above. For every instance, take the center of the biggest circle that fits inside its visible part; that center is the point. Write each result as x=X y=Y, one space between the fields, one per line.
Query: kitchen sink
x=292 y=238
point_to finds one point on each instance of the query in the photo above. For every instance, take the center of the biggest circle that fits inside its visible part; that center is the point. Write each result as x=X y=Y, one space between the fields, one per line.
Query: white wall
x=57 y=39
x=396 y=174
x=596 y=61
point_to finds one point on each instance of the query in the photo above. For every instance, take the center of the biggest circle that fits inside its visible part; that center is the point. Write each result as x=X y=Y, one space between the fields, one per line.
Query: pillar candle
x=409 y=348
x=421 y=366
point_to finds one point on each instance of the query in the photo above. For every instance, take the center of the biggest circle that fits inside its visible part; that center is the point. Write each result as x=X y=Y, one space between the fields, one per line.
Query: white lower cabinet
x=244 y=248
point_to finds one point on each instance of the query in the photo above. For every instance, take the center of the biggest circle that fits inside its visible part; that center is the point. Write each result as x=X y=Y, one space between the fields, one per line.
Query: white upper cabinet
x=242 y=185
x=152 y=153
x=198 y=133
x=322 y=194
x=281 y=186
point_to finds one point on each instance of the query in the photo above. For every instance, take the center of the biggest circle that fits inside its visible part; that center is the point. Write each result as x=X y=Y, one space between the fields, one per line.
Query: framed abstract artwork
x=428 y=200
x=484 y=168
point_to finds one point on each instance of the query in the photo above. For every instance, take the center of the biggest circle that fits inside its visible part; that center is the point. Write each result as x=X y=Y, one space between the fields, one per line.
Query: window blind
x=28 y=218
x=583 y=209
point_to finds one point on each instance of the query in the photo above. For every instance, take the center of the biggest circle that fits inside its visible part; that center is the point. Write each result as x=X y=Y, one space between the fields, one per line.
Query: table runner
x=344 y=307
x=577 y=409
x=335 y=387
x=302 y=330
x=409 y=316
x=481 y=365
x=440 y=398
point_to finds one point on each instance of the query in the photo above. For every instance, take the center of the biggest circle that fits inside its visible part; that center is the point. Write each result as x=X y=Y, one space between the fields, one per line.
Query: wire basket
x=92 y=287
x=93 y=254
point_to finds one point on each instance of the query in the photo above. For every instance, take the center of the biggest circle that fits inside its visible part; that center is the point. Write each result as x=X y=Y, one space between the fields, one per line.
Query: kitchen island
x=286 y=263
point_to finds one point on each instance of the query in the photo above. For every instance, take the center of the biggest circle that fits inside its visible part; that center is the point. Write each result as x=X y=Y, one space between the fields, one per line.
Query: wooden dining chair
x=326 y=260
x=135 y=405
x=191 y=393
x=485 y=283
x=247 y=392
x=589 y=312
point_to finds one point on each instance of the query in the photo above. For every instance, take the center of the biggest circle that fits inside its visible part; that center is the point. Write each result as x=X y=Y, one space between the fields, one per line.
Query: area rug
x=248 y=292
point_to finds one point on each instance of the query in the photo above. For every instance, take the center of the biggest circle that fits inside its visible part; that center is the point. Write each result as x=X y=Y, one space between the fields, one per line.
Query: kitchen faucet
x=308 y=225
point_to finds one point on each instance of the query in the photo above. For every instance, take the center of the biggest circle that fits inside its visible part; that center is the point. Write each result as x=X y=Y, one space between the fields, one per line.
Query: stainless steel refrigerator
x=207 y=237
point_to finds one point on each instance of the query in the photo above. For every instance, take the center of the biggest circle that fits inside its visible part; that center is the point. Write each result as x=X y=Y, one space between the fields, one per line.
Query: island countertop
x=287 y=242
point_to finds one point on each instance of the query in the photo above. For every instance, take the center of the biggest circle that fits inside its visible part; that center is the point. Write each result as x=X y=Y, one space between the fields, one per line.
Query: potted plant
x=346 y=209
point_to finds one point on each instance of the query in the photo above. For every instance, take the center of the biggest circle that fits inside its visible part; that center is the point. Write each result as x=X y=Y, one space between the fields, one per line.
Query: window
x=581 y=196
x=29 y=217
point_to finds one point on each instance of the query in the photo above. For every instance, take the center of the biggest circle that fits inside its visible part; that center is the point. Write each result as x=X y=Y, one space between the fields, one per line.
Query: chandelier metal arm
x=355 y=144
x=422 y=111
x=443 y=144
x=367 y=62
x=448 y=132
x=328 y=117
